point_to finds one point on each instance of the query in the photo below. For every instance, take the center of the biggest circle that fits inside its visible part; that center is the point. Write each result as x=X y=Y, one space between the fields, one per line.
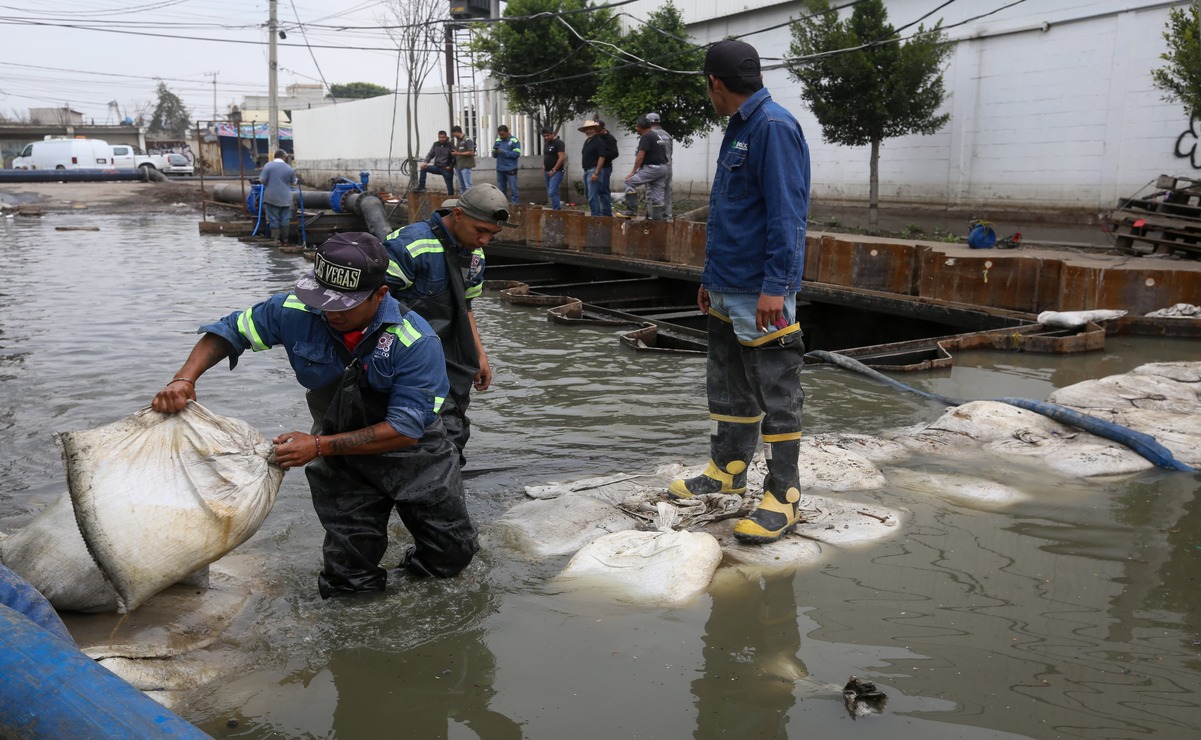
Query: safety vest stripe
x=424 y=246
x=475 y=291
x=438 y=401
x=786 y=437
x=247 y=329
x=393 y=235
x=293 y=302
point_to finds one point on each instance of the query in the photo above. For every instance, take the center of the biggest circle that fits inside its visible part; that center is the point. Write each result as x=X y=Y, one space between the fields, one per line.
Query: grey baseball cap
x=484 y=202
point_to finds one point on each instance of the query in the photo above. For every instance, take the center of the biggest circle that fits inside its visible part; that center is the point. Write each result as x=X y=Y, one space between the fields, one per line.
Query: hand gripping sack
x=159 y=496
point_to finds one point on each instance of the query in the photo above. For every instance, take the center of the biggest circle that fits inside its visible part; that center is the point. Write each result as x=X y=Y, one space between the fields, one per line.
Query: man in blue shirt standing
x=507 y=152
x=277 y=179
x=754 y=257
x=376 y=379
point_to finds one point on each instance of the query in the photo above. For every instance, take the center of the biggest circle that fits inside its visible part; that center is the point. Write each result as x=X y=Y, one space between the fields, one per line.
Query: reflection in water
x=751 y=647
x=423 y=691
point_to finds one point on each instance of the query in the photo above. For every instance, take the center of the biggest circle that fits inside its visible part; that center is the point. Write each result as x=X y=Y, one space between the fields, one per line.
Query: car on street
x=178 y=164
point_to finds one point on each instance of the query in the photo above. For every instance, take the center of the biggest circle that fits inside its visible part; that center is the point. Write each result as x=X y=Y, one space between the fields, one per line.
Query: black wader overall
x=446 y=313
x=354 y=494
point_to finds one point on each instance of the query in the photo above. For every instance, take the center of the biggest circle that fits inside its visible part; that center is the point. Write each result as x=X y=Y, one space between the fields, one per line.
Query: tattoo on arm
x=350 y=440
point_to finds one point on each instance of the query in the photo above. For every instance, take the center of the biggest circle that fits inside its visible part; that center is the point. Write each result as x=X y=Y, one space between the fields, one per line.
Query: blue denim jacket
x=759 y=203
x=405 y=361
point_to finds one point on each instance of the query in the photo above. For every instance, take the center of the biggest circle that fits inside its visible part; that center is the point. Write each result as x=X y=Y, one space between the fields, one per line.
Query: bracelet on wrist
x=317 y=439
x=189 y=381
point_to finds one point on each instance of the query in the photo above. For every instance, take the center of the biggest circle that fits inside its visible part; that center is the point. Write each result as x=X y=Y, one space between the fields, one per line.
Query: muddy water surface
x=1073 y=613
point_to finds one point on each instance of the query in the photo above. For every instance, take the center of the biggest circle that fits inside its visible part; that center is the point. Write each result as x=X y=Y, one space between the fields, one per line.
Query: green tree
x=1180 y=78
x=547 y=65
x=171 y=116
x=863 y=83
x=645 y=76
x=357 y=91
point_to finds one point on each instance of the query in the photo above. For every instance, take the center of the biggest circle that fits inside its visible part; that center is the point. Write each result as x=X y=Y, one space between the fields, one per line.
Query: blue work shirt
x=759 y=203
x=417 y=263
x=404 y=362
x=507 y=151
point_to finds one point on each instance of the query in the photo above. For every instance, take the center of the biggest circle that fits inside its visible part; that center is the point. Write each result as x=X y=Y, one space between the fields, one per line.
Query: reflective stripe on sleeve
x=438 y=401
x=405 y=333
x=423 y=246
x=394 y=271
x=247 y=329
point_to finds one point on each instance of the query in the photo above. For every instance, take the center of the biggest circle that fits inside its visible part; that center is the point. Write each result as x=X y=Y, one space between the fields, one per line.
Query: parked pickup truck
x=126 y=156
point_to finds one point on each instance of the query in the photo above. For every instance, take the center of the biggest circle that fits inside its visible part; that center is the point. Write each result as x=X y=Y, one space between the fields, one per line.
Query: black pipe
x=371 y=209
x=148 y=174
x=228 y=193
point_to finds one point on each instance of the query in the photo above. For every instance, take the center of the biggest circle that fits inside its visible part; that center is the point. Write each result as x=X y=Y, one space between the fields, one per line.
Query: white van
x=64 y=154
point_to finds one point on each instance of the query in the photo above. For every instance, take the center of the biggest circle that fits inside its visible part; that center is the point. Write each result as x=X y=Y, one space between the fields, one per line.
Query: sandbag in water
x=159 y=496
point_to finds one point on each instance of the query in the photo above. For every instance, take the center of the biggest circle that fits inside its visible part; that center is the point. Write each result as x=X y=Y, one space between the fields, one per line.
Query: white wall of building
x=1051 y=106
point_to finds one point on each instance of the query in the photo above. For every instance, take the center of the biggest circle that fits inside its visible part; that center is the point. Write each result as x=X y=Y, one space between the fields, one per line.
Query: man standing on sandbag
x=754 y=257
x=376 y=378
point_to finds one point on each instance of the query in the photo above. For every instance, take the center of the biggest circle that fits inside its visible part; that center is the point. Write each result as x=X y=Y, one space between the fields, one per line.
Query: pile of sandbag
x=153 y=499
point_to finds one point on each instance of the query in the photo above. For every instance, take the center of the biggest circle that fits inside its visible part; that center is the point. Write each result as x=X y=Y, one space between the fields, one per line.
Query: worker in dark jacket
x=376 y=379
x=439 y=161
x=436 y=267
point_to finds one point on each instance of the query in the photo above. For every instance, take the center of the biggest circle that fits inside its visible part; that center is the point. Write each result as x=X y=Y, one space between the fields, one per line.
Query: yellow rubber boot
x=771 y=519
x=712 y=480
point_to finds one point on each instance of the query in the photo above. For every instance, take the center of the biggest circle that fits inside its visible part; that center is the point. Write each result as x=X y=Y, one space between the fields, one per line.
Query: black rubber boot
x=774 y=364
x=776 y=514
x=731 y=449
x=735 y=416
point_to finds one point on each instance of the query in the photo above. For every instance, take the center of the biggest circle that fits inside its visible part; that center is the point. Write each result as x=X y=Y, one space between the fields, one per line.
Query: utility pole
x=272 y=87
x=214 y=76
x=450 y=73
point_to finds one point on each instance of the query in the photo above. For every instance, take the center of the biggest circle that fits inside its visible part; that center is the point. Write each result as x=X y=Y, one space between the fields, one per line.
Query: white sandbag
x=51 y=555
x=835 y=465
x=561 y=525
x=158 y=496
x=1073 y=319
x=657 y=567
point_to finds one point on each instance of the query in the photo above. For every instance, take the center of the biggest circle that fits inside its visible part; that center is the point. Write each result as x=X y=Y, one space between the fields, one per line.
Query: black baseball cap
x=732 y=58
x=348 y=268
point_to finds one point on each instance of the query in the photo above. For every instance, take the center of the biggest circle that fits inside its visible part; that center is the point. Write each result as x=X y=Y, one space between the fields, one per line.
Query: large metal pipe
x=147 y=174
x=366 y=205
x=232 y=193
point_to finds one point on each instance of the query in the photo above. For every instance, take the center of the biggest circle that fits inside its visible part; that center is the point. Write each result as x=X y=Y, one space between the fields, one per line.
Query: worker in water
x=436 y=267
x=376 y=379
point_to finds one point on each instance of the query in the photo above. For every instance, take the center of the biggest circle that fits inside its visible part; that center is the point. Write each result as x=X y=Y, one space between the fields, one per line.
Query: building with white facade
x=1051 y=102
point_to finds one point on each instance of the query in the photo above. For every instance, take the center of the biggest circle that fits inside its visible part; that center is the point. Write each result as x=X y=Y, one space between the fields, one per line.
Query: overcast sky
x=86 y=53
